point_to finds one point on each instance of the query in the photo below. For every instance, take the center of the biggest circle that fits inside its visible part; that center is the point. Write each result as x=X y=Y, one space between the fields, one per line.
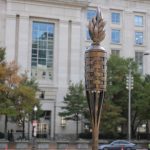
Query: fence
x=56 y=145
x=59 y=145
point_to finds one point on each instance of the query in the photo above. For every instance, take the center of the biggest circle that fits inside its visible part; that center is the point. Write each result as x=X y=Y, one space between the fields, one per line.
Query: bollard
x=6 y=147
x=122 y=148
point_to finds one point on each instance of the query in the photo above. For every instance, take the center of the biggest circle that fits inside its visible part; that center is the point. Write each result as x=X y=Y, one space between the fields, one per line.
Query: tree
x=118 y=95
x=111 y=118
x=143 y=103
x=6 y=103
x=17 y=96
x=25 y=101
x=75 y=103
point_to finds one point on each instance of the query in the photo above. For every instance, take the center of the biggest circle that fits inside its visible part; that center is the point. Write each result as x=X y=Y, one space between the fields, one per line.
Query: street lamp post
x=129 y=86
x=34 y=124
x=35 y=110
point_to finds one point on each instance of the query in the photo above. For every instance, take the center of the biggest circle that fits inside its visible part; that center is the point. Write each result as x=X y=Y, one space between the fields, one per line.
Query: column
x=62 y=52
x=75 y=52
x=24 y=50
x=10 y=37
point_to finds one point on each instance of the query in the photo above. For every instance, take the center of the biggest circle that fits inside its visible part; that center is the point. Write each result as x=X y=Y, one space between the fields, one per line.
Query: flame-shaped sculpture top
x=96 y=28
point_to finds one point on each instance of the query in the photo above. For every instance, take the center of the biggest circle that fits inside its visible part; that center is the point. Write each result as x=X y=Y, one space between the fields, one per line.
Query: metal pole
x=49 y=131
x=129 y=106
x=34 y=147
x=77 y=122
x=54 y=125
x=35 y=115
x=34 y=138
x=29 y=126
x=34 y=130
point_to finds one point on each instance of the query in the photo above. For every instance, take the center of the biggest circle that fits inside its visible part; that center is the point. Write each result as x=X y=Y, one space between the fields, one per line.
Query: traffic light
x=129 y=82
x=132 y=82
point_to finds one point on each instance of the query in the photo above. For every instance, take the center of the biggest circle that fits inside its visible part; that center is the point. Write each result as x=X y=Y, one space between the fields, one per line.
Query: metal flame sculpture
x=96 y=28
x=95 y=74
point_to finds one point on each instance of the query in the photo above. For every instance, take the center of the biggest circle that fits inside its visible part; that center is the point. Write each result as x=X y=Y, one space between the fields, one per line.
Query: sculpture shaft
x=95 y=75
x=95 y=82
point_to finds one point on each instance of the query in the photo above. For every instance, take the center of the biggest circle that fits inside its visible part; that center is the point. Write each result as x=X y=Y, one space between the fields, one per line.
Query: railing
x=41 y=144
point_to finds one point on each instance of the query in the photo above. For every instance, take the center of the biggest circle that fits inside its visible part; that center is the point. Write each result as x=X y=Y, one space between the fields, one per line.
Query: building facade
x=48 y=39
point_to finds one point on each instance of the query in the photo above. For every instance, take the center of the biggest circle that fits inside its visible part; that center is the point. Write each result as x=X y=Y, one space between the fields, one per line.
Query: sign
x=34 y=123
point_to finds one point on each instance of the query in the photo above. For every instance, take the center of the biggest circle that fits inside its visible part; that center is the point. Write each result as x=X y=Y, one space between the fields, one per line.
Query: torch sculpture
x=95 y=74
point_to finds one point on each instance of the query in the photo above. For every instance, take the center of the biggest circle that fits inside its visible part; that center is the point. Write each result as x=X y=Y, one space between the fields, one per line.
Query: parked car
x=118 y=145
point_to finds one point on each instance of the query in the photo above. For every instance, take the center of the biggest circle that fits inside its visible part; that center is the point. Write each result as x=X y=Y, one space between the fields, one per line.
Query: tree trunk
x=5 y=128
x=147 y=130
x=77 y=128
x=29 y=127
x=23 y=127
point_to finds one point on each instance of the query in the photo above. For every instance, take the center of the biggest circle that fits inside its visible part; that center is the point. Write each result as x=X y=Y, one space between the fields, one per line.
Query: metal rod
x=95 y=105
x=34 y=130
x=129 y=106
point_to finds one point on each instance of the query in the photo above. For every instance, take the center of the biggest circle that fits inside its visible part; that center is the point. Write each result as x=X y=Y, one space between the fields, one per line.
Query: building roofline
x=76 y=3
x=140 y=1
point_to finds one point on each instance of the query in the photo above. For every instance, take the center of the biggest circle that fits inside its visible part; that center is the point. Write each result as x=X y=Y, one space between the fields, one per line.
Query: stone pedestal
x=62 y=145
x=81 y=145
x=43 y=145
x=3 y=144
x=22 y=145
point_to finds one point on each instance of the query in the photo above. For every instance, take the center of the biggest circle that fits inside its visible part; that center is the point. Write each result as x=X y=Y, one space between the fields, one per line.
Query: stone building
x=48 y=39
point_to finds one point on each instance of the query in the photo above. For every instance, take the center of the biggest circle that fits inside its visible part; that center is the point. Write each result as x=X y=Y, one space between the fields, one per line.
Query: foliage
x=117 y=94
x=143 y=99
x=74 y=102
x=111 y=118
x=113 y=114
x=17 y=93
x=110 y=135
x=115 y=108
x=29 y=83
x=1 y=135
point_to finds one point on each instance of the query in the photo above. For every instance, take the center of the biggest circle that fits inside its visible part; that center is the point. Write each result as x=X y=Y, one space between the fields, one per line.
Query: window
x=90 y=15
x=43 y=130
x=115 y=52
x=139 y=61
x=63 y=122
x=46 y=115
x=139 y=38
x=115 y=18
x=42 y=94
x=87 y=34
x=138 y=20
x=42 y=48
x=115 y=36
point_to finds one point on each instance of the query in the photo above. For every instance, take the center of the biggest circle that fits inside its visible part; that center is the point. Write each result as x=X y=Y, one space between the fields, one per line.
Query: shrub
x=1 y=135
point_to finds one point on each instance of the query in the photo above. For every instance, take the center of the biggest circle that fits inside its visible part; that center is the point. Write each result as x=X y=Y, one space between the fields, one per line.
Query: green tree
x=143 y=102
x=17 y=96
x=118 y=95
x=25 y=100
x=111 y=118
x=75 y=104
x=6 y=104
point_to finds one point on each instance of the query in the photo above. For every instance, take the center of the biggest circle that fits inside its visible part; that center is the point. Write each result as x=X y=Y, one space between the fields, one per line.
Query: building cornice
x=140 y=1
x=77 y=3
